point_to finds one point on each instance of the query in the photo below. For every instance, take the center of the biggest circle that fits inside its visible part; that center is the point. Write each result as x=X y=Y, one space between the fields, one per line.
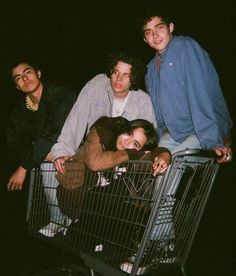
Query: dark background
x=70 y=39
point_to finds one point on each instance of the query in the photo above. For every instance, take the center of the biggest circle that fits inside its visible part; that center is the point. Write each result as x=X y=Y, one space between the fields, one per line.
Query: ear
x=171 y=27
x=39 y=74
x=144 y=39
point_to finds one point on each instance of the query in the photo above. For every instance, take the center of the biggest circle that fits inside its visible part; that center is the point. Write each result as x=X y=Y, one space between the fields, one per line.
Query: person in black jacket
x=35 y=124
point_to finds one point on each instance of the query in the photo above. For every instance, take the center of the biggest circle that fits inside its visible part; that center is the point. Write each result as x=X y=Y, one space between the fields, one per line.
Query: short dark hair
x=149 y=131
x=12 y=64
x=137 y=70
x=149 y=13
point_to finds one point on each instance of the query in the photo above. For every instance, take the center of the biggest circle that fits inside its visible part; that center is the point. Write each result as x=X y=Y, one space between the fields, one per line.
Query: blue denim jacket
x=186 y=94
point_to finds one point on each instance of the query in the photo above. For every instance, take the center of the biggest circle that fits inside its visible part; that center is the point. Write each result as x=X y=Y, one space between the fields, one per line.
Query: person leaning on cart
x=115 y=93
x=184 y=88
x=110 y=142
x=34 y=125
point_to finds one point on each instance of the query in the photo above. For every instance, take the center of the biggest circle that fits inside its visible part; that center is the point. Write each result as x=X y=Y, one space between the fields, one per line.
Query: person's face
x=134 y=140
x=26 y=78
x=157 y=34
x=120 y=79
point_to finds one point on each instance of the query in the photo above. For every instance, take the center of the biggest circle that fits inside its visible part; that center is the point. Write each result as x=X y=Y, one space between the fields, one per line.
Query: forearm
x=36 y=154
x=97 y=159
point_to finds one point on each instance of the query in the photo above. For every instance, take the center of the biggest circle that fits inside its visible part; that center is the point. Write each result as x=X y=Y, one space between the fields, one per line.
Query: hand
x=59 y=164
x=17 y=179
x=161 y=163
x=49 y=157
x=225 y=153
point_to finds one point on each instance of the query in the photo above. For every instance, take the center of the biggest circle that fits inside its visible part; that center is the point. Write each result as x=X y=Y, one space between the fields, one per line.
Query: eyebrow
x=27 y=68
x=139 y=145
x=161 y=23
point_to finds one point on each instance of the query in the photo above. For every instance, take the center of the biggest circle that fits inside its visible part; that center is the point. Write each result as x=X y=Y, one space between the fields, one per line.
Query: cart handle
x=198 y=152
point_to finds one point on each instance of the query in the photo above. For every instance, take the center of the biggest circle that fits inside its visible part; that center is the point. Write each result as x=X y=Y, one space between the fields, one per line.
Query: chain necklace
x=30 y=104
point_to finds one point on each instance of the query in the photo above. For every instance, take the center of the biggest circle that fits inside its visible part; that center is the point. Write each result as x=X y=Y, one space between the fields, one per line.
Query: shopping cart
x=128 y=221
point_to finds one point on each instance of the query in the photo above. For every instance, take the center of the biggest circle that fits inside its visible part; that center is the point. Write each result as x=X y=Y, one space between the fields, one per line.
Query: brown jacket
x=98 y=153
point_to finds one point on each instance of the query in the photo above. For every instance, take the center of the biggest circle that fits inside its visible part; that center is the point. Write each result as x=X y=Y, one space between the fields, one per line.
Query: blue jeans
x=191 y=142
x=163 y=228
x=50 y=185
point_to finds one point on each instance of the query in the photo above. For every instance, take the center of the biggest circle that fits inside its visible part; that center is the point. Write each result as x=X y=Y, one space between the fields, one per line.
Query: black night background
x=70 y=40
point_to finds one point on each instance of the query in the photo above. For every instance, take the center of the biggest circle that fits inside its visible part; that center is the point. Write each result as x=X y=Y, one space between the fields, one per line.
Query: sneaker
x=99 y=248
x=163 y=250
x=166 y=249
x=128 y=265
x=52 y=228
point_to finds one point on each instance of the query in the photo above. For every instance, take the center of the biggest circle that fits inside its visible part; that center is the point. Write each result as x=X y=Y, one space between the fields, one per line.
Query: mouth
x=121 y=146
x=27 y=83
x=157 y=42
x=117 y=85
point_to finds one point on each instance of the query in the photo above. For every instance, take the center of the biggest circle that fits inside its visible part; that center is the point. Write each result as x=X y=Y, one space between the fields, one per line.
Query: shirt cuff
x=134 y=154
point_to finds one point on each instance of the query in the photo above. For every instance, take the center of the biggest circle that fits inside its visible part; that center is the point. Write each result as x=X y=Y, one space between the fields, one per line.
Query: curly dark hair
x=137 y=69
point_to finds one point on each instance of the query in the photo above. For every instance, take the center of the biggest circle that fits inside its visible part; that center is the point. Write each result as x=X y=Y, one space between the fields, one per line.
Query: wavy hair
x=137 y=69
x=149 y=131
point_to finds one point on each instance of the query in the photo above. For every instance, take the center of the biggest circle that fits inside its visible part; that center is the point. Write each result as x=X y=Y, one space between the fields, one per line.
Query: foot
x=161 y=252
x=52 y=228
x=99 y=248
x=127 y=266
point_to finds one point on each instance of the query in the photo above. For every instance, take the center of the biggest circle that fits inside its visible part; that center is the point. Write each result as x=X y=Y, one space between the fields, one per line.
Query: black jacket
x=31 y=134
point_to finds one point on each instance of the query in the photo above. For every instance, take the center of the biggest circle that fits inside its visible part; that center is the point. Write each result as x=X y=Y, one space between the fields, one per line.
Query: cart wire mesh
x=125 y=220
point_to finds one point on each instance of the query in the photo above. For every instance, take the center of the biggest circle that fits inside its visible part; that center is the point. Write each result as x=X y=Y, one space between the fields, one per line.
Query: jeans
x=50 y=185
x=163 y=228
x=191 y=142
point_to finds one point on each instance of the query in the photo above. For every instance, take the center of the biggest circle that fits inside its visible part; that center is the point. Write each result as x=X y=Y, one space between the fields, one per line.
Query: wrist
x=22 y=169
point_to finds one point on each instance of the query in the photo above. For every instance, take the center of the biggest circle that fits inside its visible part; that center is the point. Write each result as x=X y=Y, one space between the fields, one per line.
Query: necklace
x=30 y=104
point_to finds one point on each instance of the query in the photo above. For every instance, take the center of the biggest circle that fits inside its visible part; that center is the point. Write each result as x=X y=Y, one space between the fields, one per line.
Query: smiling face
x=120 y=79
x=157 y=34
x=134 y=140
x=26 y=78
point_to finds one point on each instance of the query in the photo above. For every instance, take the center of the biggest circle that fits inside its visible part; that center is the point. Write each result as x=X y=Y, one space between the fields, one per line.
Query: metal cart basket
x=125 y=220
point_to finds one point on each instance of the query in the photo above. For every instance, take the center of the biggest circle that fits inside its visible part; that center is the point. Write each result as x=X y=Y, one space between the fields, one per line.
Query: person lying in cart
x=110 y=142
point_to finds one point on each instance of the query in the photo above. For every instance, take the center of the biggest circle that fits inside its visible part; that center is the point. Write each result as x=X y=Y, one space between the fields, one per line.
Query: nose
x=128 y=142
x=24 y=77
x=119 y=77
x=155 y=33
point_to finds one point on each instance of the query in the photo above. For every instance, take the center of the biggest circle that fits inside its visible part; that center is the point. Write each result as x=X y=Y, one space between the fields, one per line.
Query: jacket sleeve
x=154 y=153
x=56 y=103
x=210 y=115
x=135 y=107
x=18 y=143
x=75 y=126
x=148 y=112
x=97 y=159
